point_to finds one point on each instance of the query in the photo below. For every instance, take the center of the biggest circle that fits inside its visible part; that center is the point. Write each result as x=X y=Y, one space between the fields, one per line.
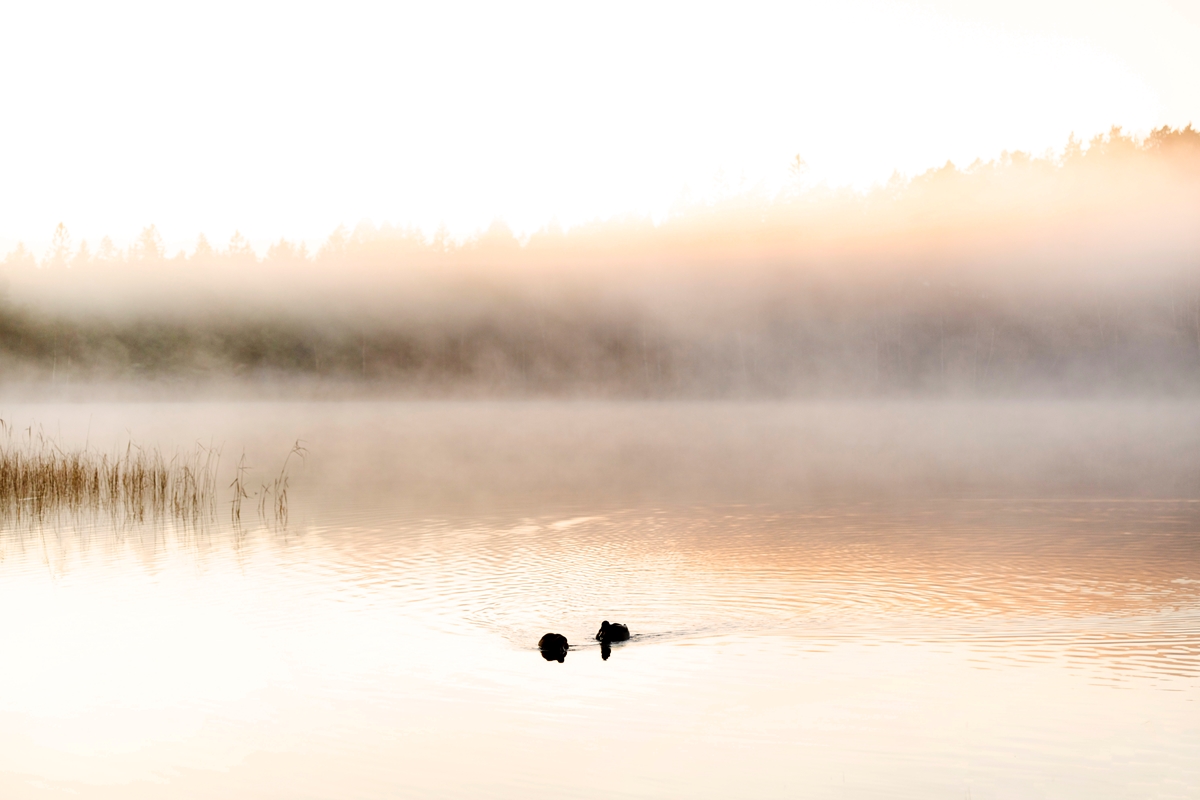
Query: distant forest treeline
x=1072 y=272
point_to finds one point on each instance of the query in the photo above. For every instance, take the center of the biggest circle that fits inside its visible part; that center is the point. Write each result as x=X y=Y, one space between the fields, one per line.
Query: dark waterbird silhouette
x=612 y=632
x=554 y=647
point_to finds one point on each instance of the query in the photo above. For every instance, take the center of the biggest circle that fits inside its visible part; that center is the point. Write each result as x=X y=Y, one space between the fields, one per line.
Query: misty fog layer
x=1070 y=273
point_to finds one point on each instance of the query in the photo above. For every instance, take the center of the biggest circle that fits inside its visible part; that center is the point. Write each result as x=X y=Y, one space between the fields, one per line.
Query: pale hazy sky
x=286 y=119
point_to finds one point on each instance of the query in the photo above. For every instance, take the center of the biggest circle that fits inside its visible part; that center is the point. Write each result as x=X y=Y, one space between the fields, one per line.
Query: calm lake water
x=983 y=600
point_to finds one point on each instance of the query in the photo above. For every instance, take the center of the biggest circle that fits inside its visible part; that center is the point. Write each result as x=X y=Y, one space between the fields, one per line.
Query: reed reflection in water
x=837 y=647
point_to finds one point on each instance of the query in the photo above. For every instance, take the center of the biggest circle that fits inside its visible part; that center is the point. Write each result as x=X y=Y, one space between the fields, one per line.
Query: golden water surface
x=826 y=601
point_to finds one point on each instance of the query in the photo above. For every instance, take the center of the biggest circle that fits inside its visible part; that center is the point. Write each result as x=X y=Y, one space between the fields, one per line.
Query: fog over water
x=444 y=458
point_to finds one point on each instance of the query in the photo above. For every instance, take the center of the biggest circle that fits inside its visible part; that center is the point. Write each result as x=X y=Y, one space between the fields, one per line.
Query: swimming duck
x=612 y=632
x=554 y=647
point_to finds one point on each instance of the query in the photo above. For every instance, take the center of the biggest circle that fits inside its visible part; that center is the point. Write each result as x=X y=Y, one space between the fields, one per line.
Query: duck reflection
x=605 y=650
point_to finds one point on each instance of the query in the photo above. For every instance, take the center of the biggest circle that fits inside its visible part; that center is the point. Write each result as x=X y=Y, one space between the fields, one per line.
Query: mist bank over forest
x=1071 y=273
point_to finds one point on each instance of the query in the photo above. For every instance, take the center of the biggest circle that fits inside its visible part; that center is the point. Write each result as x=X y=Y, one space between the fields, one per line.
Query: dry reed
x=39 y=478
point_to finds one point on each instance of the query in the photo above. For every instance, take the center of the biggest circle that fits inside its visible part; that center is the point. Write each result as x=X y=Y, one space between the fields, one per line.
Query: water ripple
x=1017 y=582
